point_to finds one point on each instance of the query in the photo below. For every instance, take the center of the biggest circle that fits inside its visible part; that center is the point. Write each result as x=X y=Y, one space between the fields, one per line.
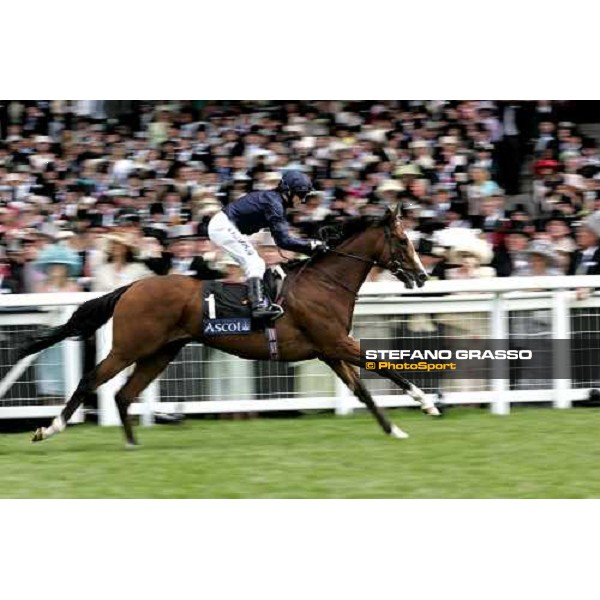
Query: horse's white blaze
x=398 y=433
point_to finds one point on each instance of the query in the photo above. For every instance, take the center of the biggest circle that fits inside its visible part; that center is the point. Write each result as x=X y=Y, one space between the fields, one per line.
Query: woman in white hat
x=470 y=253
x=120 y=266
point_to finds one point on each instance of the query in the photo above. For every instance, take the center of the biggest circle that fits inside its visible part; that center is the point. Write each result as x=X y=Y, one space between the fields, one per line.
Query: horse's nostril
x=422 y=277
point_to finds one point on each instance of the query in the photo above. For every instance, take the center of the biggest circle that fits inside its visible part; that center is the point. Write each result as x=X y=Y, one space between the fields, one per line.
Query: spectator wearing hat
x=541 y=260
x=471 y=255
x=481 y=187
x=558 y=233
x=422 y=157
x=407 y=174
x=120 y=265
x=433 y=257
x=544 y=182
x=183 y=259
x=158 y=129
x=536 y=324
x=60 y=266
x=512 y=254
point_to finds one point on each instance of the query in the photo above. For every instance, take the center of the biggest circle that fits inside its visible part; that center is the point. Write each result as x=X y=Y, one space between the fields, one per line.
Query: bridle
x=393 y=265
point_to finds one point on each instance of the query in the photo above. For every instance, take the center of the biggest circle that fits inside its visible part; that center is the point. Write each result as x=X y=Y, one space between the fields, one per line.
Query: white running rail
x=203 y=380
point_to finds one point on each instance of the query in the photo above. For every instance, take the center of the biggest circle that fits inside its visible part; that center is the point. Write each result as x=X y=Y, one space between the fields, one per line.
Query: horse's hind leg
x=105 y=370
x=349 y=376
x=146 y=370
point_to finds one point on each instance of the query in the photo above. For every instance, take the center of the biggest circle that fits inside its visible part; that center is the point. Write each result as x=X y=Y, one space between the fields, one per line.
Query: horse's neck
x=352 y=262
x=353 y=268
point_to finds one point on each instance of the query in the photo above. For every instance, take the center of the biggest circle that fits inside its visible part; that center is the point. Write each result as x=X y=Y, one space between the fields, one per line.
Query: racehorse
x=155 y=317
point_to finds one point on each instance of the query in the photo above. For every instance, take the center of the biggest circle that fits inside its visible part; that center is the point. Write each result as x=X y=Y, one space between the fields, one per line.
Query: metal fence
x=204 y=380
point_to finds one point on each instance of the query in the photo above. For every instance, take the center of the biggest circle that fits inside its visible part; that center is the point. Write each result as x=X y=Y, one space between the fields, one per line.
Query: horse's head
x=398 y=253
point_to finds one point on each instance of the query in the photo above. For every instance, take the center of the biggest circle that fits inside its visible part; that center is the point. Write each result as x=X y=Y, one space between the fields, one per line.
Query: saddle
x=226 y=309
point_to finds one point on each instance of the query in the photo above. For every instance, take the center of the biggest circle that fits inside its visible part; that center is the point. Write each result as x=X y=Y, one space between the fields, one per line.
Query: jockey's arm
x=285 y=241
x=280 y=231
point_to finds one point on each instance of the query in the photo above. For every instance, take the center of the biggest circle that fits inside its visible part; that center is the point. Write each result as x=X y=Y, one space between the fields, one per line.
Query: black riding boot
x=262 y=308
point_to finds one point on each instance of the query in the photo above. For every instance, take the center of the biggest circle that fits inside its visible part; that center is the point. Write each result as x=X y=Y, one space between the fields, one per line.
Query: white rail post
x=150 y=396
x=499 y=405
x=561 y=330
x=107 y=407
x=343 y=397
x=72 y=355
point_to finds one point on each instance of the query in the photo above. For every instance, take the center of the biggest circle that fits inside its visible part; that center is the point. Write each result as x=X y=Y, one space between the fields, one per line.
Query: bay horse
x=155 y=317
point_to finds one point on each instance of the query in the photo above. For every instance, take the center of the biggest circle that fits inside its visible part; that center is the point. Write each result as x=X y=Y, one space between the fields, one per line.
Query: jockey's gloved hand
x=318 y=247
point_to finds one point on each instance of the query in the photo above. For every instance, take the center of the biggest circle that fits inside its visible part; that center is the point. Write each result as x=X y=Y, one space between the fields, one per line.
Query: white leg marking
x=398 y=433
x=427 y=405
x=58 y=425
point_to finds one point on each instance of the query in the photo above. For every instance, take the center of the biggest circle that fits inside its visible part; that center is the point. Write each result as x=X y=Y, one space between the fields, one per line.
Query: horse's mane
x=339 y=232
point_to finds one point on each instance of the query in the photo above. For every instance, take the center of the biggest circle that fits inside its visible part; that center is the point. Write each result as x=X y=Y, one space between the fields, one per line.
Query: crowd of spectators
x=95 y=194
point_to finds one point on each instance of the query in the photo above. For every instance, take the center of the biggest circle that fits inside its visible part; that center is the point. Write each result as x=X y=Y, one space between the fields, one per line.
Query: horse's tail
x=89 y=317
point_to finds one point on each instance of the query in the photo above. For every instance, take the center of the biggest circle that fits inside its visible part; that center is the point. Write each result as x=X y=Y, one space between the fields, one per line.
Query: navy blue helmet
x=295 y=183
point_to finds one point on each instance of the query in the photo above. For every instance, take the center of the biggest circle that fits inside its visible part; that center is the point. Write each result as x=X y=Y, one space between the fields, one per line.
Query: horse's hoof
x=396 y=432
x=38 y=436
x=431 y=410
x=132 y=446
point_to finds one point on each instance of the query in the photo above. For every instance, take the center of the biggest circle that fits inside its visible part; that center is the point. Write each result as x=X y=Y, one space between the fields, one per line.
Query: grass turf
x=469 y=453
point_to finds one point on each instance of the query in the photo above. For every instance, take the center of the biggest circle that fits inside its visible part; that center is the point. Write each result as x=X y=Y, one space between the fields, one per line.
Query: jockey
x=249 y=214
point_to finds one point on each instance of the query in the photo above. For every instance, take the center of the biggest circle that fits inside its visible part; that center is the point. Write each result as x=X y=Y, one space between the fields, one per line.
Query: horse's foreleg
x=88 y=384
x=348 y=349
x=349 y=376
x=416 y=393
x=146 y=370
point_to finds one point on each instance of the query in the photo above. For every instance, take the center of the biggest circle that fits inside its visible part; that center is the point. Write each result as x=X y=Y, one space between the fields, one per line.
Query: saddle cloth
x=226 y=309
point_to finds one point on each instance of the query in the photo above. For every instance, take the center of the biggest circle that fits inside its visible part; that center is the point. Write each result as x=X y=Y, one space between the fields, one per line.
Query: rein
x=394 y=266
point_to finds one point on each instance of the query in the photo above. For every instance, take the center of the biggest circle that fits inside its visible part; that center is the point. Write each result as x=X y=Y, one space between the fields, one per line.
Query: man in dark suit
x=586 y=260
x=510 y=149
x=512 y=254
x=185 y=255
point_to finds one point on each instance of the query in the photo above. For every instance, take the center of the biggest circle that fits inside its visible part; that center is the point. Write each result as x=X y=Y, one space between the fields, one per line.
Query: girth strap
x=271 y=334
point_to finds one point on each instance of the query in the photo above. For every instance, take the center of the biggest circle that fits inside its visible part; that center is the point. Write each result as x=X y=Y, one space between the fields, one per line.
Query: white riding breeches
x=226 y=235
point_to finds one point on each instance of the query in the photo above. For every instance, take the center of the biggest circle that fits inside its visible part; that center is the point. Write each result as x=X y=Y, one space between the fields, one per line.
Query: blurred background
x=75 y=173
